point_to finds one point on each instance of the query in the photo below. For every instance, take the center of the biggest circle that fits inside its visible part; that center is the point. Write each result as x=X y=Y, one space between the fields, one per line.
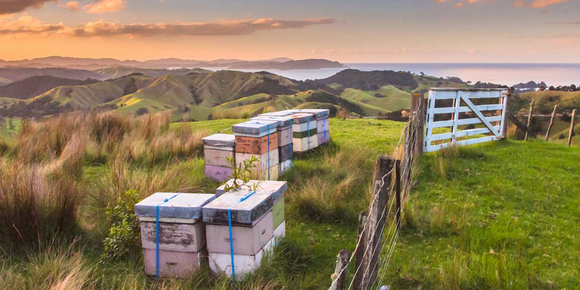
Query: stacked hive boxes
x=217 y=148
x=284 y=139
x=173 y=233
x=322 y=125
x=304 y=132
x=258 y=139
x=244 y=224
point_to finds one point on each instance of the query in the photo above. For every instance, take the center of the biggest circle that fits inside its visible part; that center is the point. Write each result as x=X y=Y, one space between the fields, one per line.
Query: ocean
x=500 y=73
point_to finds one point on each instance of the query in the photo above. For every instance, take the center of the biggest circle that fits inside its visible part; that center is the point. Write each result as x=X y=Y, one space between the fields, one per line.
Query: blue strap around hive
x=230 y=230
x=308 y=130
x=291 y=144
x=157 y=235
x=323 y=126
x=268 y=129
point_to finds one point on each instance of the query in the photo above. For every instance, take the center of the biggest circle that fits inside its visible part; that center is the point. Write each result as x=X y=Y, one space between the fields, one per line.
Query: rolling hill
x=36 y=85
x=14 y=74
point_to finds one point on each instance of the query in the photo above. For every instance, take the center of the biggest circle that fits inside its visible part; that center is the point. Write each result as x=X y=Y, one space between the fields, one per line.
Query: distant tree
x=573 y=88
x=142 y=111
x=130 y=87
x=551 y=88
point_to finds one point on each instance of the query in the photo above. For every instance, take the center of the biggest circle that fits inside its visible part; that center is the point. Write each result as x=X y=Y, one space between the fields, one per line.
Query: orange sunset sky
x=346 y=31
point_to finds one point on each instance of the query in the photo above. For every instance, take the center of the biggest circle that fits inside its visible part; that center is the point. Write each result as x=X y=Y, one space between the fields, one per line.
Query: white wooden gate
x=491 y=107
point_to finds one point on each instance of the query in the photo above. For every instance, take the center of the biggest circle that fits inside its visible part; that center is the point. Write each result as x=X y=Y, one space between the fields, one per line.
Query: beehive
x=217 y=148
x=322 y=123
x=258 y=139
x=304 y=132
x=180 y=241
x=257 y=219
x=284 y=139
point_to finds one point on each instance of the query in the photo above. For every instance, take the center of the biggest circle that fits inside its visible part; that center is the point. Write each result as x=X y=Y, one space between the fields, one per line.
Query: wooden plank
x=256 y=145
x=517 y=122
x=429 y=120
x=340 y=270
x=572 y=124
x=462 y=109
x=530 y=116
x=460 y=122
x=503 y=129
x=360 y=250
x=472 y=95
x=455 y=116
x=463 y=142
x=479 y=115
x=551 y=123
x=463 y=133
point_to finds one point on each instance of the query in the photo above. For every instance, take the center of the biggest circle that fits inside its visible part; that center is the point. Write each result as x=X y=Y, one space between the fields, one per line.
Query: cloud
x=71 y=5
x=14 y=6
x=458 y=5
x=535 y=4
x=30 y=26
x=106 y=6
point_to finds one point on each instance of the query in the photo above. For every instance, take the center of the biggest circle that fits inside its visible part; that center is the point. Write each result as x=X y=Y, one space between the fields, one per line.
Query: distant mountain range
x=168 y=63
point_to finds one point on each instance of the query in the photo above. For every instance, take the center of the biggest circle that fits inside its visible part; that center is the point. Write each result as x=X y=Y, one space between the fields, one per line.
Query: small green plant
x=241 y=175
x=124 y=231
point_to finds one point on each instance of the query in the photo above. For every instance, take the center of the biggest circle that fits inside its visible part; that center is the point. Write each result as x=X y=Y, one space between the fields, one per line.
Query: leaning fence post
x=398 y=191
x=572 y=124
x=340 y=270
x=551 y=123
x=376 y=219
x=360 y=250
x=529 y=120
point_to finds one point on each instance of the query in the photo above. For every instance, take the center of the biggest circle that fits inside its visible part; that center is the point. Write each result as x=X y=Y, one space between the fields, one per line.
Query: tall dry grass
x=36 y=203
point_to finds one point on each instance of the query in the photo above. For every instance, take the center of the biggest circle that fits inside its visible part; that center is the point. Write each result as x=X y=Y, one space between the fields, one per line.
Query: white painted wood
x=460 y=122
x=465 y=95
x=479 y=114
x=463 y=133
x=462 y=109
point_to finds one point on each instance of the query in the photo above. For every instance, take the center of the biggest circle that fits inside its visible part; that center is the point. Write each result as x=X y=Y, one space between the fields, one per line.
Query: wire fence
x=379 y=227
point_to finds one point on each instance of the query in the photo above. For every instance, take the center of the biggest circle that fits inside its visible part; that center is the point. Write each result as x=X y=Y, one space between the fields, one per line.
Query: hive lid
x=283 y=121
x=220 y=140
x=319 y=113
x=300 y=118
x=276 y=187
x=249 y=210
x=278 y=114
x=182 y=206
x=255 y=128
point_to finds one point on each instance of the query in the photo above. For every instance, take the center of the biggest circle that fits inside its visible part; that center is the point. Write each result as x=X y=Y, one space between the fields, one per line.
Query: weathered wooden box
x=262 y=163
x=305 y=126
x=248 y=211
x=174 y=264
x=244 y=264
x=181 y=237
x=246 y=240
x=255 y=128
x=219 y=142
x=217 y=157
x=257 y=145
x=218 y=173
x=285 y=166
x=304 y=134
x=305 y=144
x=323 y=137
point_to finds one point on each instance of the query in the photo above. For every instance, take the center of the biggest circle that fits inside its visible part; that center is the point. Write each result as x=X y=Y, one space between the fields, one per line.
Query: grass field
x=393 y=99
x=501 y=215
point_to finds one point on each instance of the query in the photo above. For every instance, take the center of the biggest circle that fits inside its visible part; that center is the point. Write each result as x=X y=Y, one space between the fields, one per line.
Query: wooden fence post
x=572 y=124
x=340 y=270
x=360 y=250
x=528 y=132
x=398 y=190
x=505 y=118
x=376 y=219
x=551 y=123
x=418 y=108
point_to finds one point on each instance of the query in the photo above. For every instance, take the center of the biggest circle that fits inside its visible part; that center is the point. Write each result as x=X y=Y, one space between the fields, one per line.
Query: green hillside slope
x=384 y=100
x=545 y=100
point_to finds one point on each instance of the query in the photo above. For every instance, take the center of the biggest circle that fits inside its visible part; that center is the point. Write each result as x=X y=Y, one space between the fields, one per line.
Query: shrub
x=124 y=231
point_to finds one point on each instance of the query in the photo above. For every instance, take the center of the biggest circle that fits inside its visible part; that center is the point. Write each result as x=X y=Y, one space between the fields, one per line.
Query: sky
x=349 y=31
